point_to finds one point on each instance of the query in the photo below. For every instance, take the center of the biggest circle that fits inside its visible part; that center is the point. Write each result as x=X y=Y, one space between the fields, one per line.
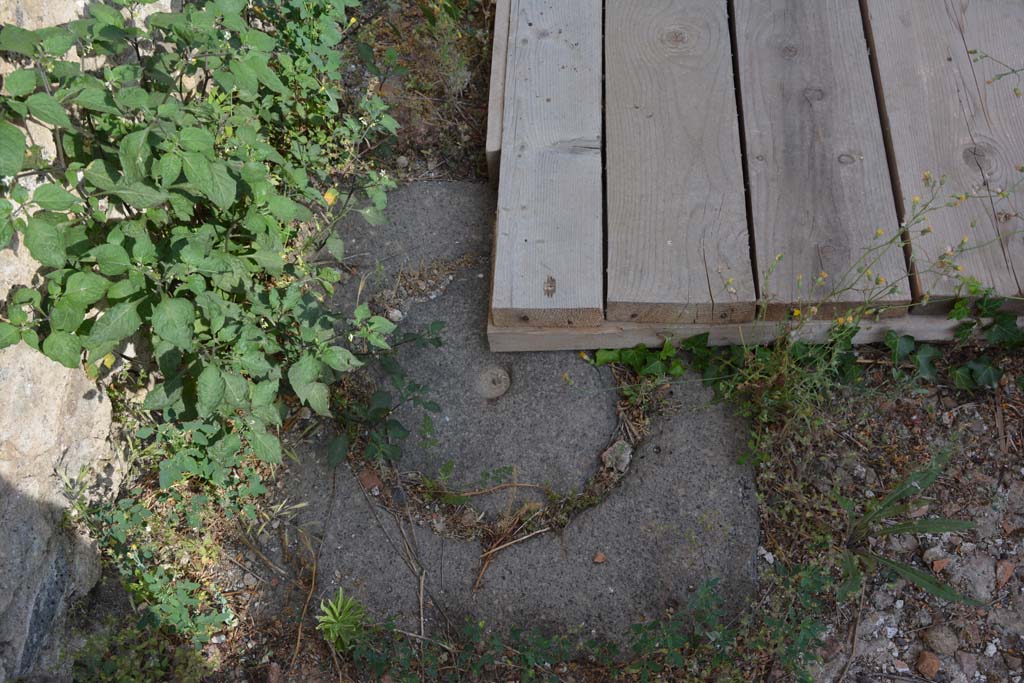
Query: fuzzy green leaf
x=117 y=323
x=21 y=82
x=66 y=316
x=925 y=581
x=45 y=241
x=266 y=446
x=12 y=149
x=54 y=197
x=341 y=359
x=140 y=195
x=64 y=348
x=47 y=109
x=210 y=387
x=9 y=335
x=173 y=320
x=16 y=39
x=112 y=259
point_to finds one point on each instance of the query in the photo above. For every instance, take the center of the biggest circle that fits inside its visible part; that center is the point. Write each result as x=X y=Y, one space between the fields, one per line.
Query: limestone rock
x=52 y=420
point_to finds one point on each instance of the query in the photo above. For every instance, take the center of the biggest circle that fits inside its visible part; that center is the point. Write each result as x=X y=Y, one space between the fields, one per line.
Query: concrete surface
x=684 y=513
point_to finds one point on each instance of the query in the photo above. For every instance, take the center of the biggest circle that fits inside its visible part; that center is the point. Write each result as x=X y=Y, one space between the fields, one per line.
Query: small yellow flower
x=916 y=199
x=823 y=275
x=927 y=230
x=331 y=196
x=879 y=232
x=849 y=320
x=351 y=21
x=959 y=268
x=964 y=240
x=880 y=280
x=796 y=313
x=868 y=273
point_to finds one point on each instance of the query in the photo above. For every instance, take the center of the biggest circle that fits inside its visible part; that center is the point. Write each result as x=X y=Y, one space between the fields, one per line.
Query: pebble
x=928 y=664
x=395 y=315
x=618 y=457
x=991 y=649
x=250 y=580
x=968 y=663
x=218 y=639
x=402 y=162
x=941 y=639
x=493 y=383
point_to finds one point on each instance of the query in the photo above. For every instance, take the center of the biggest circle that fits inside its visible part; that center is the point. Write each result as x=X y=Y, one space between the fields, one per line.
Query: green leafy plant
x=169 y=219
x=342 y=621
x=879 y=519
x=117 y=654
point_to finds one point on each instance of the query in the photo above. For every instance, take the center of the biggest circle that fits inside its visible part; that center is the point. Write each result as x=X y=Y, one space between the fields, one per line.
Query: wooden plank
x=817 y=168
x=548 y=244
x=945 y=118
x=612 y=335
x=678 y=249
x=496 y=97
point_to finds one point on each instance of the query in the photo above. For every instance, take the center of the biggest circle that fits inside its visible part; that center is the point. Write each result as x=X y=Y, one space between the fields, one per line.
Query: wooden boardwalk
x=671 y=167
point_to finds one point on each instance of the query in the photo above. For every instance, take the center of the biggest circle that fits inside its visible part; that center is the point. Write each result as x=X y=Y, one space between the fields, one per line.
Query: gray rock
x=52 y=420
x=967 y=662
x=617 y=457
x=976 y=576
x=941 y=639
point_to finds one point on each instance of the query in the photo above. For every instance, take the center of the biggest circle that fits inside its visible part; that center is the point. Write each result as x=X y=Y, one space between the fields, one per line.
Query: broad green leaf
x=265 y=393
x=900 y=345
x=245 y=79
x=66 y=316
x=12 y=149
x=283 y=208
x=9 y=335
x=304 y=373
x=196 y=140
x=173 y=320
x=335 y=247
x=121 y=321
x=924 y=361
x=197 y=170
x=963 y=378
x=236 y=390
x=63 y=348
x=925 y=581
x=105 y=14
x=340 y=358
x=47 y=109
x=318 y=396
x=257 y=61
x=134 y=151
x=21 y=82
x=112 y=259
x=170 y=169
x=210 y=388
x=266 y=446
x=222 y=188
x=45 y=241
x=54 y=197
x=16 y=39
x=139 y=195
x=99 y=172
x=337 y=450
x=96 y=99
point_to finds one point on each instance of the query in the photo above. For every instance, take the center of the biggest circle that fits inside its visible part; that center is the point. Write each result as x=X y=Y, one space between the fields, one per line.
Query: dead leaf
x=1004 y=572
x=939 y=565
x=369 y=480
x=928 y=665
x=600 y=558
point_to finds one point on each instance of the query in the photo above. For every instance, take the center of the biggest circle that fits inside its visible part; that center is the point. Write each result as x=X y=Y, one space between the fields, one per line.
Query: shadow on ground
x=684 y=514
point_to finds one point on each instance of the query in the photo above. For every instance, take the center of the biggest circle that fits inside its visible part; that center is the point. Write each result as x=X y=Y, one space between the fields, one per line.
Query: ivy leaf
x=45 y=241
x=64 y=348
x=900 y=345
x=12 y=149
x=266 y=446
x=9 y=335
x=963 y=379
x=112 y=259
x=47 y=109
x=924 y=362
x=21 y=82
x=54 y=197
x=117 y=323
x=984 y=373
x=173 y=320
x=210 y=387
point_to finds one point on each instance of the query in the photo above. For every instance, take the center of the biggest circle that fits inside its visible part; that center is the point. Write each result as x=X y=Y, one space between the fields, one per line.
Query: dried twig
x=856 y=628
x=513 y=542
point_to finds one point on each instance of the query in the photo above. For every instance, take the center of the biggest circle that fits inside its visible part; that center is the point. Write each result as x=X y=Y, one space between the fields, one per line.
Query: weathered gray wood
x=548 y=245
x=817 y=168
x=945 y=118
x=678 y=248
x=496 y=96
x=612 y=335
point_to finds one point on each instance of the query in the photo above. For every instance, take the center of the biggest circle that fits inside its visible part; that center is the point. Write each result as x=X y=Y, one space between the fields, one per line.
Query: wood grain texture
x=548 y=253
x=816 y=159
x=613 y=335
x=496 y=95
x=944 y=117
x=678 y=248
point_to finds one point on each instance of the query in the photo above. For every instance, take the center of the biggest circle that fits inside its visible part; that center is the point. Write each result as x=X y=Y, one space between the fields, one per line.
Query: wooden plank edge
x=496 y=97
x=627 y=335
